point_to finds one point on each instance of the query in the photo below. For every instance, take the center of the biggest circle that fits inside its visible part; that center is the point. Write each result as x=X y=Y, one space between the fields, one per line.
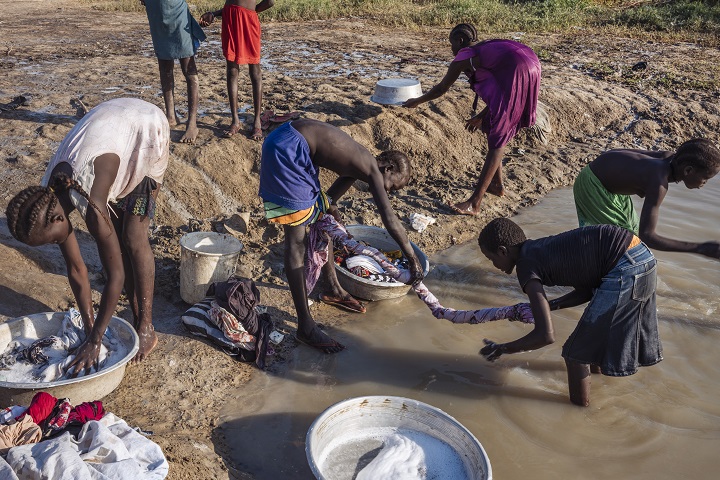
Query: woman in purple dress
x=506 y=75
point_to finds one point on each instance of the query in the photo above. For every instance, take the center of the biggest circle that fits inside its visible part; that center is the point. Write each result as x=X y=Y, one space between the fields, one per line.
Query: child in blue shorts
x=606 y=265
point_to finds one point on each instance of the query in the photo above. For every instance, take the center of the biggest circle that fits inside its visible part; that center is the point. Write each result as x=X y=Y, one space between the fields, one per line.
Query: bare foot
x=234 y=128
x=190 y=135
x=256 y=134
x=320 y=340
x=148 y=341
x=496 y=189
x=464 y=208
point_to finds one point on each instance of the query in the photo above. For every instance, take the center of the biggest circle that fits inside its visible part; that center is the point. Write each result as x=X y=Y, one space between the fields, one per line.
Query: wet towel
x=519 y=312
x=506 y=75
x=175 y=32
x=595 y=205
x=104 y=449
x=240 y=35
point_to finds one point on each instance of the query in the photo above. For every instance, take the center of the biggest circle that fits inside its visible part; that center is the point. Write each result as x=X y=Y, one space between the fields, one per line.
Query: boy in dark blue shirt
x=606 y=265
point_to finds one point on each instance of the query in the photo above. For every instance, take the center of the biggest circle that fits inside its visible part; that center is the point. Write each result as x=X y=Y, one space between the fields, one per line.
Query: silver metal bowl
x=356 y=415
x=369 y=289
x=395 y=91
x=84 y=389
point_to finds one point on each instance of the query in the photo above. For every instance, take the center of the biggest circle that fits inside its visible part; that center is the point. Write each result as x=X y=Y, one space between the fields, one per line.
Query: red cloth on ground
x=86 y=411
x=240 y=35
x=40 y=407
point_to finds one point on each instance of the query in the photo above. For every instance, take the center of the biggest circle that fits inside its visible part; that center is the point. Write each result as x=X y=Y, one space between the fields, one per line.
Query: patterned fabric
x=140 y=201
x=288 y=216
x=230 y=326
x=520 y=312
x=58 y=419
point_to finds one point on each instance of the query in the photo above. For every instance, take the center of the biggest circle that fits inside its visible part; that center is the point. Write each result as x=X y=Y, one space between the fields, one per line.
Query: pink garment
x=519 y=312
x=506 y=75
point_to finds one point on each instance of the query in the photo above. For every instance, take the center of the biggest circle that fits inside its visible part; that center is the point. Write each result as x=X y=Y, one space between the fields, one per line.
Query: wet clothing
x=175 y=32
x=506 y=76
x=618 y=330
x=595 y=205
x=240 y=35
x=289 y=181
x=133 y=129
x=578 y=258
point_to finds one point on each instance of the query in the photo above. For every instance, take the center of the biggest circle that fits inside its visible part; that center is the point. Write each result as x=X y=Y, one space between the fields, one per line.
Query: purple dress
x=506 y=75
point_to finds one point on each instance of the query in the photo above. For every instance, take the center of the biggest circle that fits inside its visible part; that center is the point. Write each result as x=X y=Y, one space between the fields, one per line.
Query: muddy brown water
x=663 y=422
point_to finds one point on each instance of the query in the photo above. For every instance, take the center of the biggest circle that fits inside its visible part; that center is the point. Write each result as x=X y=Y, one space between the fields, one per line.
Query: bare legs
x=232 y=89
x=139 y=264
x=167 y=83
x=578 y=382
x=490 y=181
x=308 y=332
x=256 y=81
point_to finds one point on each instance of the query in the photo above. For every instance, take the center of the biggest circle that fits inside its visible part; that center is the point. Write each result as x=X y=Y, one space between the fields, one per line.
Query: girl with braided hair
x=108 y=167
x=505 y=74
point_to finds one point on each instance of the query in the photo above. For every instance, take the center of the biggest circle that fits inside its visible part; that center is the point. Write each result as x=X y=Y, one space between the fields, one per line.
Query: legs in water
x=191 y=78
x=256 y=81
x=337 y=295
x=308 y=332
x=490 y=181
x=232 y=89
x=578 y=382
x=140 y=279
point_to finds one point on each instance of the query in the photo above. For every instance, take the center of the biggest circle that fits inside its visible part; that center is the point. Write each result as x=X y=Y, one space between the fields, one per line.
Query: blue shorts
x=618 y=330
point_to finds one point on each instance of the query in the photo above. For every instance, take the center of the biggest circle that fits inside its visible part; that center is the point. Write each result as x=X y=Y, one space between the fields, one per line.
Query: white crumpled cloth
x=106 y=449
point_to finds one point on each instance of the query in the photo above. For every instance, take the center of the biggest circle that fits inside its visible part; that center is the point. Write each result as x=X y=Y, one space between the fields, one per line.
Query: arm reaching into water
x=541 y=335
x=648 y=224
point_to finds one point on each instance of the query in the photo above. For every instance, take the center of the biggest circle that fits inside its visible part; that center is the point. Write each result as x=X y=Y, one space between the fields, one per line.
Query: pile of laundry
x=230 y=316
x=367 y=267
x=52 y=439
x=46 y=359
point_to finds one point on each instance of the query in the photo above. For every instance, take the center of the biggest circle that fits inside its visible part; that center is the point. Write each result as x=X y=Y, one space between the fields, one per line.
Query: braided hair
x=24 y=210
x=464 y=31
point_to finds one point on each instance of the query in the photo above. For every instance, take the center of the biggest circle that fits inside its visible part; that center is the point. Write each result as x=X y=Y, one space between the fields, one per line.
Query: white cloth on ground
x=105 y=449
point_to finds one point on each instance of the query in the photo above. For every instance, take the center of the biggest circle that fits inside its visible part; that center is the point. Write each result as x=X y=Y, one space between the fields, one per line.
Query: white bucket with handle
x=206 y=258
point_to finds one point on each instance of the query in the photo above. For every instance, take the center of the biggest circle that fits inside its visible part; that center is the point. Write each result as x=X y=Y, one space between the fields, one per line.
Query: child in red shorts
x=241 y=46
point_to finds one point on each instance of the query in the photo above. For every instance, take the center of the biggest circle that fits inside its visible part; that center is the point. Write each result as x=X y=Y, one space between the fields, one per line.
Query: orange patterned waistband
x=634 y=242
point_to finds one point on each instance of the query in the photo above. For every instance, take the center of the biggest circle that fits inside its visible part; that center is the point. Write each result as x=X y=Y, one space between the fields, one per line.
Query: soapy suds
x=400 y=454
x=69 y=336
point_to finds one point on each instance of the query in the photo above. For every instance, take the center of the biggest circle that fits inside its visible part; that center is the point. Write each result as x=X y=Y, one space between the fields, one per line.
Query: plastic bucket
x=205 y=258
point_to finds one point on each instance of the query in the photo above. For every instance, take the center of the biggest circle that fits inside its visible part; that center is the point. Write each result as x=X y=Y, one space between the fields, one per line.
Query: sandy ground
x=60 y=53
